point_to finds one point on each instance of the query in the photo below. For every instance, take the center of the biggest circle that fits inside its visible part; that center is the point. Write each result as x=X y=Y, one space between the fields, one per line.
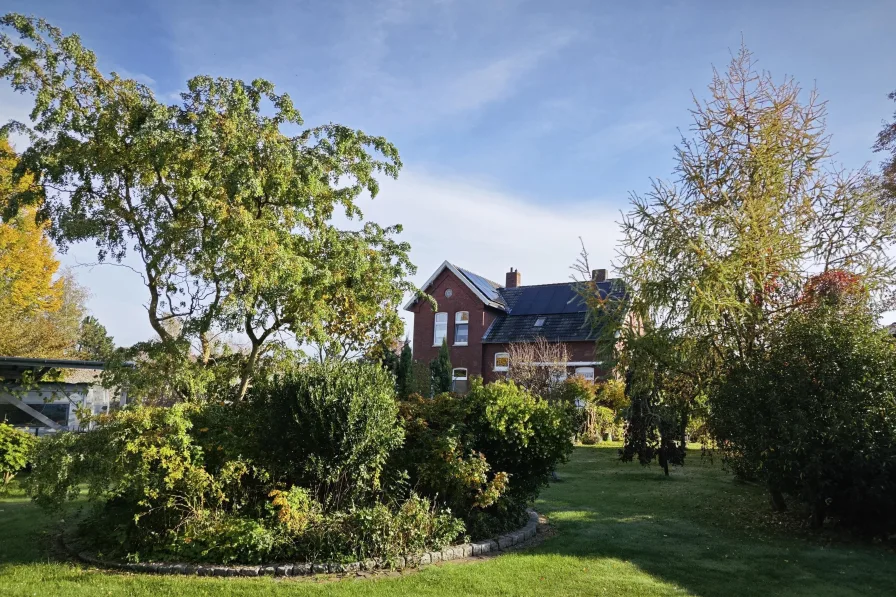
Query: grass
x=621 y=530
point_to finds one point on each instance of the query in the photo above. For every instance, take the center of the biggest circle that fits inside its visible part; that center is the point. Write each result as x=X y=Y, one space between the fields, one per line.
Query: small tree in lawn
x=15 y=448
x=441 y=370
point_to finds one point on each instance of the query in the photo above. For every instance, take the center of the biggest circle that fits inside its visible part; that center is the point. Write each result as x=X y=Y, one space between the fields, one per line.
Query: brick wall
x=462 y=299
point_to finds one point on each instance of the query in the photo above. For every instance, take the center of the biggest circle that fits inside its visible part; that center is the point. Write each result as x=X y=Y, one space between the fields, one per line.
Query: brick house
x=481 y=318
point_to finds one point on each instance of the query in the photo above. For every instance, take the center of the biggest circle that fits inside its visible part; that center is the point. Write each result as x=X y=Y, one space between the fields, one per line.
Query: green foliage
x=94 y=342
x=15 y=451
x=231 y=217
x=404 y=373
x=815 y=416
x=485 y=455
x=186 y=481
x=714 y=261
x=441 y=370
x=331 y=427
x=141 y=468
x=420 y=379
x=600 y=405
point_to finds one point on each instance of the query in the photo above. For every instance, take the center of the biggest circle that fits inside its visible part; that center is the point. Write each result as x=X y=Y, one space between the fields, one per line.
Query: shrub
x=815 y=417
x=589 y=439
x=15 y=451
x=141 y=466
x=485 y=455
x=330 y=428
x=181 y=482
x=297 y=528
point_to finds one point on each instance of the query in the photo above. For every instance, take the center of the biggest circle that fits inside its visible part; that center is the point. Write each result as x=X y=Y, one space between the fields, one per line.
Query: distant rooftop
x=13 y=368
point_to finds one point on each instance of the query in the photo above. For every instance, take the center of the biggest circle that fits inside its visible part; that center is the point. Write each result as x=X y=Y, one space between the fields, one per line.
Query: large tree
x=40 y=307
x=229 y=217
x=886 y=142
x=715 y=260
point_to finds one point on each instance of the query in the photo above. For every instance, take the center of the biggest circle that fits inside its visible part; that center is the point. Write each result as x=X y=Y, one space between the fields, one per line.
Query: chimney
x=599 y=275
x=512 y=279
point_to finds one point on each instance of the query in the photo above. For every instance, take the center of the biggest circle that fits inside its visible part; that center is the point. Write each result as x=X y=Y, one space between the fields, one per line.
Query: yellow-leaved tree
x=40 y=307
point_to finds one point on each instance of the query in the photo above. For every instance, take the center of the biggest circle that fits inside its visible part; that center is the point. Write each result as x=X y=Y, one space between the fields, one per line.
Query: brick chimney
x=512 y=279
x=598 y=275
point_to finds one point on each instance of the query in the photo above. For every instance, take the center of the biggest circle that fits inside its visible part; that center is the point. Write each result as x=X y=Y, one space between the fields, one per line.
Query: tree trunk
x=777 y=499
x=247 y=370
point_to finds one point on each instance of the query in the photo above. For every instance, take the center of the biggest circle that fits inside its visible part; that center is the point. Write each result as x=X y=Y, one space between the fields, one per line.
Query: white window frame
x=506 y=355
x=586 y=372
x=462 y=318
x=437 y=326
x=455 y=377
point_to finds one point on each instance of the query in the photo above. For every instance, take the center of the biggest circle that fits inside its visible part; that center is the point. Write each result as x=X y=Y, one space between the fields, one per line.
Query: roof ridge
x=558 y=284
x=469 y=271
x=537 y=285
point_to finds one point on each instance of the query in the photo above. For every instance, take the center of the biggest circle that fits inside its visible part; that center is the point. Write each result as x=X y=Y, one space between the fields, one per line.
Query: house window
x=586 y=372
x=502 y=361
x=539 y=322
x=440 y=331
x=461 y=328
x=459 y=381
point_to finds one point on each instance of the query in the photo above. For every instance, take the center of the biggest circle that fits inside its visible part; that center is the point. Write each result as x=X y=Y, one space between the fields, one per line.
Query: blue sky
x=522 y=125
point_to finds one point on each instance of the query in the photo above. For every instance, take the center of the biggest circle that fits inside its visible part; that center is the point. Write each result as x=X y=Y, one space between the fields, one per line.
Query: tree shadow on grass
x=28 y=533
x=698 y=530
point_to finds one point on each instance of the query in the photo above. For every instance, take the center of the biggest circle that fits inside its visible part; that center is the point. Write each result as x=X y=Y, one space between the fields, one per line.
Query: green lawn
x=621 y=530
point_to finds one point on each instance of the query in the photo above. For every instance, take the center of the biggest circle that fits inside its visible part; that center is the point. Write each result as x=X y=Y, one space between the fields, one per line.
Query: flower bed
x=454 y=552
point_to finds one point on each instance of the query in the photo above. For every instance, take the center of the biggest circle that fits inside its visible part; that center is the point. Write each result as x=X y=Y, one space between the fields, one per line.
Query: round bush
x=330 y=428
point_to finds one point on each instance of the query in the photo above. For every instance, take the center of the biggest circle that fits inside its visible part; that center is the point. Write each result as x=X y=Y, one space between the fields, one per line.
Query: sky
x=523 y=126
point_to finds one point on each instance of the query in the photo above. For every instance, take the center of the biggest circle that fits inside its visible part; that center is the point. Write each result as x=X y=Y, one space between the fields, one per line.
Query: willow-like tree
x=230 y=217
x=715 y=259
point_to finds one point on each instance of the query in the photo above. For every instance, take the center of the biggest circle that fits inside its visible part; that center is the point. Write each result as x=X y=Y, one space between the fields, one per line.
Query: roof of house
x=559 y=306
x=558 y=309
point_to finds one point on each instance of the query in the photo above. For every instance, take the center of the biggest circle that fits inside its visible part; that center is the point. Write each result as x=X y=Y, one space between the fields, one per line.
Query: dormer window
x=539 y=322
x=461 y=328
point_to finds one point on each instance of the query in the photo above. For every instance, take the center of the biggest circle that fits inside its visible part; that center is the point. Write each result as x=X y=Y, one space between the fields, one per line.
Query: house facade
x=481 y=318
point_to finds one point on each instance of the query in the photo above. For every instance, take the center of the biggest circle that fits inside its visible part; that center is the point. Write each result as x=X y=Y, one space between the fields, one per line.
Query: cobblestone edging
x=454 y=552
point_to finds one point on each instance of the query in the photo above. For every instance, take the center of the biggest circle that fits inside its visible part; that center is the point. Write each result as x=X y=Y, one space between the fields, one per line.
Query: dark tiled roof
x=564 y=312
x=557 y=327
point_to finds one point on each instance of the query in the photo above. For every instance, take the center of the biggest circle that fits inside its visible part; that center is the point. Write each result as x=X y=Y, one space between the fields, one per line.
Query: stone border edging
x=453 y=552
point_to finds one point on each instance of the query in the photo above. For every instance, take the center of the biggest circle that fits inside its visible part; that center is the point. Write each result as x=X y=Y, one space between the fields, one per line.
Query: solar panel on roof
x=486 y=287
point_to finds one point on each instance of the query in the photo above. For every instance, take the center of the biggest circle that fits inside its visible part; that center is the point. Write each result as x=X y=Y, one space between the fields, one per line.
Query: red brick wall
x=462 y=299
x=578 y=351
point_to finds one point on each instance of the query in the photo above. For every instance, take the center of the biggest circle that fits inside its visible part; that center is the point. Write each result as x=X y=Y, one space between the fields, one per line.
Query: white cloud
x=139 y=77
x=488 y=231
